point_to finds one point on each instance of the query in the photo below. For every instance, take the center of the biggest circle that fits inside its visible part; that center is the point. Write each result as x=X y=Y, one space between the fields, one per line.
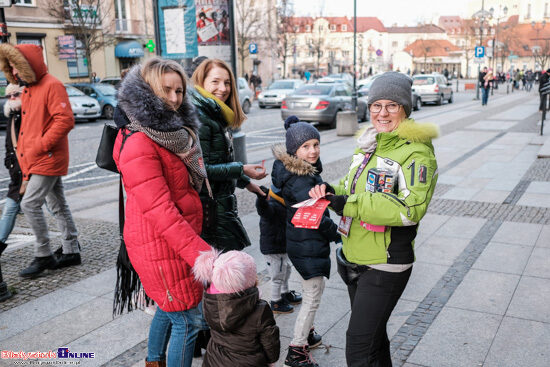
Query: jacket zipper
x=170 y=299
x=400 y=202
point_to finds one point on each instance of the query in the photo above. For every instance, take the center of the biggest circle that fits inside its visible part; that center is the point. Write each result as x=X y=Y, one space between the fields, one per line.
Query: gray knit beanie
x=297 y=133
x=392 y=86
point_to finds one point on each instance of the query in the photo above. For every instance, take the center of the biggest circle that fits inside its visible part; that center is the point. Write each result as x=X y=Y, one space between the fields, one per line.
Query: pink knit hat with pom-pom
x=229 y=272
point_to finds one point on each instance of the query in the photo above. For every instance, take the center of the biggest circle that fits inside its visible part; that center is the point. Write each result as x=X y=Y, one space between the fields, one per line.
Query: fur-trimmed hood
x=28 y=59
x=409 y=130
x=137 y=99
x=294 y=164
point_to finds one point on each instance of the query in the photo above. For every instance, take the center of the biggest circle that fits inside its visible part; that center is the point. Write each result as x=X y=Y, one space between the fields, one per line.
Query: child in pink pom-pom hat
x=242 y=326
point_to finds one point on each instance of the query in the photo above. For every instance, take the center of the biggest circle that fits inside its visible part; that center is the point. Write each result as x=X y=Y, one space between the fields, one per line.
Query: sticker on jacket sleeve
x=422 y=174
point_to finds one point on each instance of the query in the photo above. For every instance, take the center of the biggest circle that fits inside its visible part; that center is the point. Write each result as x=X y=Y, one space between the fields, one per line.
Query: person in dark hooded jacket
x=296 y=170
x=12 y=110
x=243 y=329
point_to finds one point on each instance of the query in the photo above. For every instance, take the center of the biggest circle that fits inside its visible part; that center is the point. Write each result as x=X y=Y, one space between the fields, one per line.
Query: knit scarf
x=185 y=144
x=227 y=112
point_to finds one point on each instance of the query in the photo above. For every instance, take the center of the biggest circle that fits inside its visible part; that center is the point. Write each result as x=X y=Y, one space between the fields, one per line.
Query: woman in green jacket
x=385 y=194
x=217 y=103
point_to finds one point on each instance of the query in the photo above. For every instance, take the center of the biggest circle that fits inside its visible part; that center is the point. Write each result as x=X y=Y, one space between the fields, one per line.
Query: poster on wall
x=177 y=29
x=213 y=29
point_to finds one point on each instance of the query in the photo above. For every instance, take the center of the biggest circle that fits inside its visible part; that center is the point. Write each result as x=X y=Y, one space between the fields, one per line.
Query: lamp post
x=501 y=15
x=354 y=95
x=537 y=29
x=481 y=16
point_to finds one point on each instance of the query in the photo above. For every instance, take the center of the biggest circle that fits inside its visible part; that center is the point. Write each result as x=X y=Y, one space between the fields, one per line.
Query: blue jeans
x=181 y=329
x=9 y=214
x=484 y=96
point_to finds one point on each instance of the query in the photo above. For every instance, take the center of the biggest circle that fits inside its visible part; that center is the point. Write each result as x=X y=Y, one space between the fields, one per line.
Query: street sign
x=479 y=60
x=379 y=52
x=479 y=51
x=150 y=46
x=253 y=48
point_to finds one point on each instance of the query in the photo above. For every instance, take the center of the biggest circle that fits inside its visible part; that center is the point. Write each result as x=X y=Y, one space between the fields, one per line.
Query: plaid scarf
x=185 y=144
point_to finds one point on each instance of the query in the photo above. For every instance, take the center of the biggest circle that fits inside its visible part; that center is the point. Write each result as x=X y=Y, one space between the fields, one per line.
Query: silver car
x=84 y=107
x=433 y=88
x=246 y=96
x=321 y=102
x=277 y=91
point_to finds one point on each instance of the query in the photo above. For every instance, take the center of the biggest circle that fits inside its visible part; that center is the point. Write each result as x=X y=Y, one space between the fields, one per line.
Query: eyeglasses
x=390 y=107
x=13 y=95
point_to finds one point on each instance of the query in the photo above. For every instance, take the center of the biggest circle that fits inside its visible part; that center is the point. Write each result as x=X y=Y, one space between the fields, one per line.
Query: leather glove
x=337 y=203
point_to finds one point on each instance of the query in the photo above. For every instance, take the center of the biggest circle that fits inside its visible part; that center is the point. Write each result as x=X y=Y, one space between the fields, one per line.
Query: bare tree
x=249 y=25
x=285 y=32
x=425 y=49
x=317 y=45
x=84 y=19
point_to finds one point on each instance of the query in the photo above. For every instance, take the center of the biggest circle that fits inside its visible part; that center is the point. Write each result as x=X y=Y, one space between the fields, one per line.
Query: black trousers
x=373 y=298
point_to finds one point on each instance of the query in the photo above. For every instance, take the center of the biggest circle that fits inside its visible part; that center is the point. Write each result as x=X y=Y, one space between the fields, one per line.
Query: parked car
x=277 y=91
x=105 y=94
x=246 y=96
x=321 y=102
x=363 y=92
x=113 y=80
x=364 y=84
x=84 y=107
x=345 y=77
x=433 y=88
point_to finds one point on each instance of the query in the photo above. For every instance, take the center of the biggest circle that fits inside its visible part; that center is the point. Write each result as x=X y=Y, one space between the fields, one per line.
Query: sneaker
x=299 y=356
x=3 y=246
x=314 y=339
x=64 y=260
x=37 y=266
x=281 y=306
x=292 y=297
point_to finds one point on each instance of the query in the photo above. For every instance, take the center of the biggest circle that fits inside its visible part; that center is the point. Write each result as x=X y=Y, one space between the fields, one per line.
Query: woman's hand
x=318 y=191
x=254 y=171
x=255 y=189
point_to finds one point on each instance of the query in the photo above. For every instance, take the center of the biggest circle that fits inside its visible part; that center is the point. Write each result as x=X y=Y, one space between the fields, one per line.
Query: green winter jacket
x=224 y=174
x=409 y=154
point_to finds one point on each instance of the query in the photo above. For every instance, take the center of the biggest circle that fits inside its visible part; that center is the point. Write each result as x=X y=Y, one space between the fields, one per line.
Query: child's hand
x=318 y=191
x=254 y=171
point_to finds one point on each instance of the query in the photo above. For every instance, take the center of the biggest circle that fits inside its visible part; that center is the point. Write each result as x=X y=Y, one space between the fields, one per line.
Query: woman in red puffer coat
x=162 y=171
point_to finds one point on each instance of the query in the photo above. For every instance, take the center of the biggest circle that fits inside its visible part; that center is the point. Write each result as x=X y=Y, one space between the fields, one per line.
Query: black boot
x=64 y=260
x=299 y=356
x=38 y=265
x=292 y=297
x=313 y=339
x=3 y=246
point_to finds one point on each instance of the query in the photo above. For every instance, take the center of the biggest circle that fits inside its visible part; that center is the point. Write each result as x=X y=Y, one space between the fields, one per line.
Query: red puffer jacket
x=163 y=222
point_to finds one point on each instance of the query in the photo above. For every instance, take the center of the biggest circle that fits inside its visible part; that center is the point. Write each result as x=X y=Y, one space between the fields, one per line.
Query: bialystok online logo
x=62 y=353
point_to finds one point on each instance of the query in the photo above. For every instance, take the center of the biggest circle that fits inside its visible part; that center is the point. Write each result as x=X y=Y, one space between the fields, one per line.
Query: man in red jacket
x=43 y=153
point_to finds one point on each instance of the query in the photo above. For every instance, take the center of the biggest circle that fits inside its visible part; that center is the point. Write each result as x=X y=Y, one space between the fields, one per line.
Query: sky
x=402 y=12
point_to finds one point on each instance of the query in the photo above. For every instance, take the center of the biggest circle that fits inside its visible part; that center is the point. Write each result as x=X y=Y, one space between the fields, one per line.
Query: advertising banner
x=177 y=29
x=213 y=29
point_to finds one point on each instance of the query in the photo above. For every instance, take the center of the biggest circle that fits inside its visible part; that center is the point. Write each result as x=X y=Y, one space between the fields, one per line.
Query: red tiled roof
x=521 y=38
x=431 y=48
x=450 y=22
x=427 y=28
x=366 y=23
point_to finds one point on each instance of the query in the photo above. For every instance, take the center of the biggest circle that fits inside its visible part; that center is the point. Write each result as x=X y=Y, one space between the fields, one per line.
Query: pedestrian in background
x=296 y=170
x=486 y=87
x=376 y=263
x=243 y=329
x=217 y=103
x=158 y=154
x=12 y=110
x=43 y=154
x=272 y=211
x=543 y=82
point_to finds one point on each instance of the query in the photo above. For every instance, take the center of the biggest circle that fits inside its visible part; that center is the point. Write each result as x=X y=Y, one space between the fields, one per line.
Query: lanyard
x=359 y=171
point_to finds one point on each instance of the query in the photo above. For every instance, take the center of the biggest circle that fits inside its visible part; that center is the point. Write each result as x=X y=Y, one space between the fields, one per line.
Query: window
x=528 y=16
x=120 y=15
x=344 y=28
x=78 y=67
x=394 y=44
x=24 y=2
x=345 y=53
x=308 y=28
x=546 y=10
x=333 y=27
x=297 y=28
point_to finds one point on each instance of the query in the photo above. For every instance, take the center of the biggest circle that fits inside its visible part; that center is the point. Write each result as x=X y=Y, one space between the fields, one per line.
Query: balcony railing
x=129 y=26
